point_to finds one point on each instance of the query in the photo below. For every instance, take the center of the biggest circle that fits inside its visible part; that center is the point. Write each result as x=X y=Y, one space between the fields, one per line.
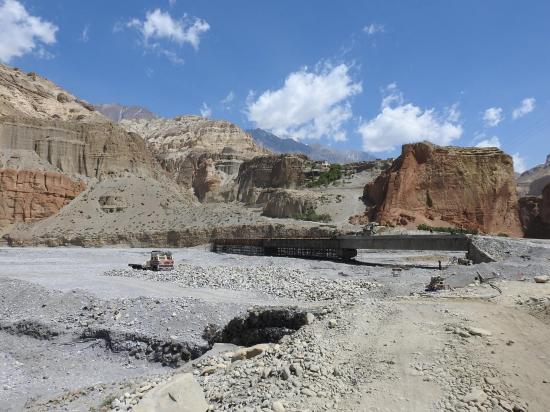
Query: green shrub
x=312 y=216
x=451 y=230
x=333 y=174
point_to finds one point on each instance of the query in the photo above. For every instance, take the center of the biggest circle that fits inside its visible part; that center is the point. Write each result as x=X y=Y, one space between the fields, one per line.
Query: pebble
x=478 y=331
x=308 y=392
x=277 y=406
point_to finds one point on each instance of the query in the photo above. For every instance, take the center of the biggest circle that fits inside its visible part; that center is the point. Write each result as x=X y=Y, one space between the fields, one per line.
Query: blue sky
x=352 y=74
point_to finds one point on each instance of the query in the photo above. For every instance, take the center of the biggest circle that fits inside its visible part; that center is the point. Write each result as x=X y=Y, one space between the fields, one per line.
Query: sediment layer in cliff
x=198 y=153
x=28 y=195
x=75 y=148
x=471 y=188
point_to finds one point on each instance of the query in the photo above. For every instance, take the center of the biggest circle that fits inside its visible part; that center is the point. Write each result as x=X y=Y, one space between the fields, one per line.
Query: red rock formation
x=29 y=195
x=470 y=188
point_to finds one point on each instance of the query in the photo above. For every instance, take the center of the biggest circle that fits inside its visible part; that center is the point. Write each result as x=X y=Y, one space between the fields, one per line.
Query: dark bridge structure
x=340 y=248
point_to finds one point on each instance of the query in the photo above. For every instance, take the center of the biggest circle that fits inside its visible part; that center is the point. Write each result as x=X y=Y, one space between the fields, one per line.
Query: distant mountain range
x=117 y=112
x=313 y=151
x=533 y=181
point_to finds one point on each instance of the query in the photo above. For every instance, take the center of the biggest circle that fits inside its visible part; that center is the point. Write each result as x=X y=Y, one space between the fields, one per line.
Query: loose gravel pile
x=281 y=282
x=502 y=248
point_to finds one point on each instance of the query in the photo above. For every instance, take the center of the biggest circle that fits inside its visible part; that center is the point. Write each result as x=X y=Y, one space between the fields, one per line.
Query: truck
x=160 y=260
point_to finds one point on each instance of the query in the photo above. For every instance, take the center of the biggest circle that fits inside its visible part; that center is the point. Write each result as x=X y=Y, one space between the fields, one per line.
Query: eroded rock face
x=471 y=188
x=276 y=171
x=197 y=152
x=545 y=207
x=27 y=195
x=76 y=148
x=283 y=203
x=535 y=214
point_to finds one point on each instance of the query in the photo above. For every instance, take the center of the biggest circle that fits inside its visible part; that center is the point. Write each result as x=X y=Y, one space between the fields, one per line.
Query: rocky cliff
x=197 y=152
x=283 y=203
x=545 y=207
x=533 y=181
x=30 y=95
x=27 y=196
x=275 y=171
x=535 y=214
x=76 y=148
x=472 y=188
x=53 y=146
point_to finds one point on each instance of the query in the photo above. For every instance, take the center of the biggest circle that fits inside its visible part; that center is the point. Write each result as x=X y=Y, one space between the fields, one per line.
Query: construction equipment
x=436 y=284
x=160 y=260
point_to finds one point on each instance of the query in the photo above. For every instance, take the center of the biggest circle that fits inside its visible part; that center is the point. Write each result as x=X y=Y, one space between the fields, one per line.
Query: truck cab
x=161 y=260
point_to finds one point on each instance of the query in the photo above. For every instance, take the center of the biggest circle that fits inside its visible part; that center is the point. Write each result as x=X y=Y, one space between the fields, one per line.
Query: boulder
x=250 y=352
x=472 y=188
x=180 y=394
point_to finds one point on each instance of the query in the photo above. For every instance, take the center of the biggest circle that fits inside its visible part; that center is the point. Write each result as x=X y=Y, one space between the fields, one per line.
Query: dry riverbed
x=80 y=331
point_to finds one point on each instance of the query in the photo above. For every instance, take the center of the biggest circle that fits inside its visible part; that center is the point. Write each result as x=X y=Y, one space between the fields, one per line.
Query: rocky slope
x=52 y=148
x=198 y=153
x=117 y=112
x=531 y=182
x=447 y=186
x=30 y=95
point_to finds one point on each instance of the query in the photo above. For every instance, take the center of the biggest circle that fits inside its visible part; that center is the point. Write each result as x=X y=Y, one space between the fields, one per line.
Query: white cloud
x=310 y=104
x=527 y=106
x=205 y=110
x=519 y=163
x=399 y=123
x=493 y=116
x=85 y=35
x=227 y=100
x=159 y=25
x=373 y=28
x=171 y=55
x=21 y=33
x=491 y=142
